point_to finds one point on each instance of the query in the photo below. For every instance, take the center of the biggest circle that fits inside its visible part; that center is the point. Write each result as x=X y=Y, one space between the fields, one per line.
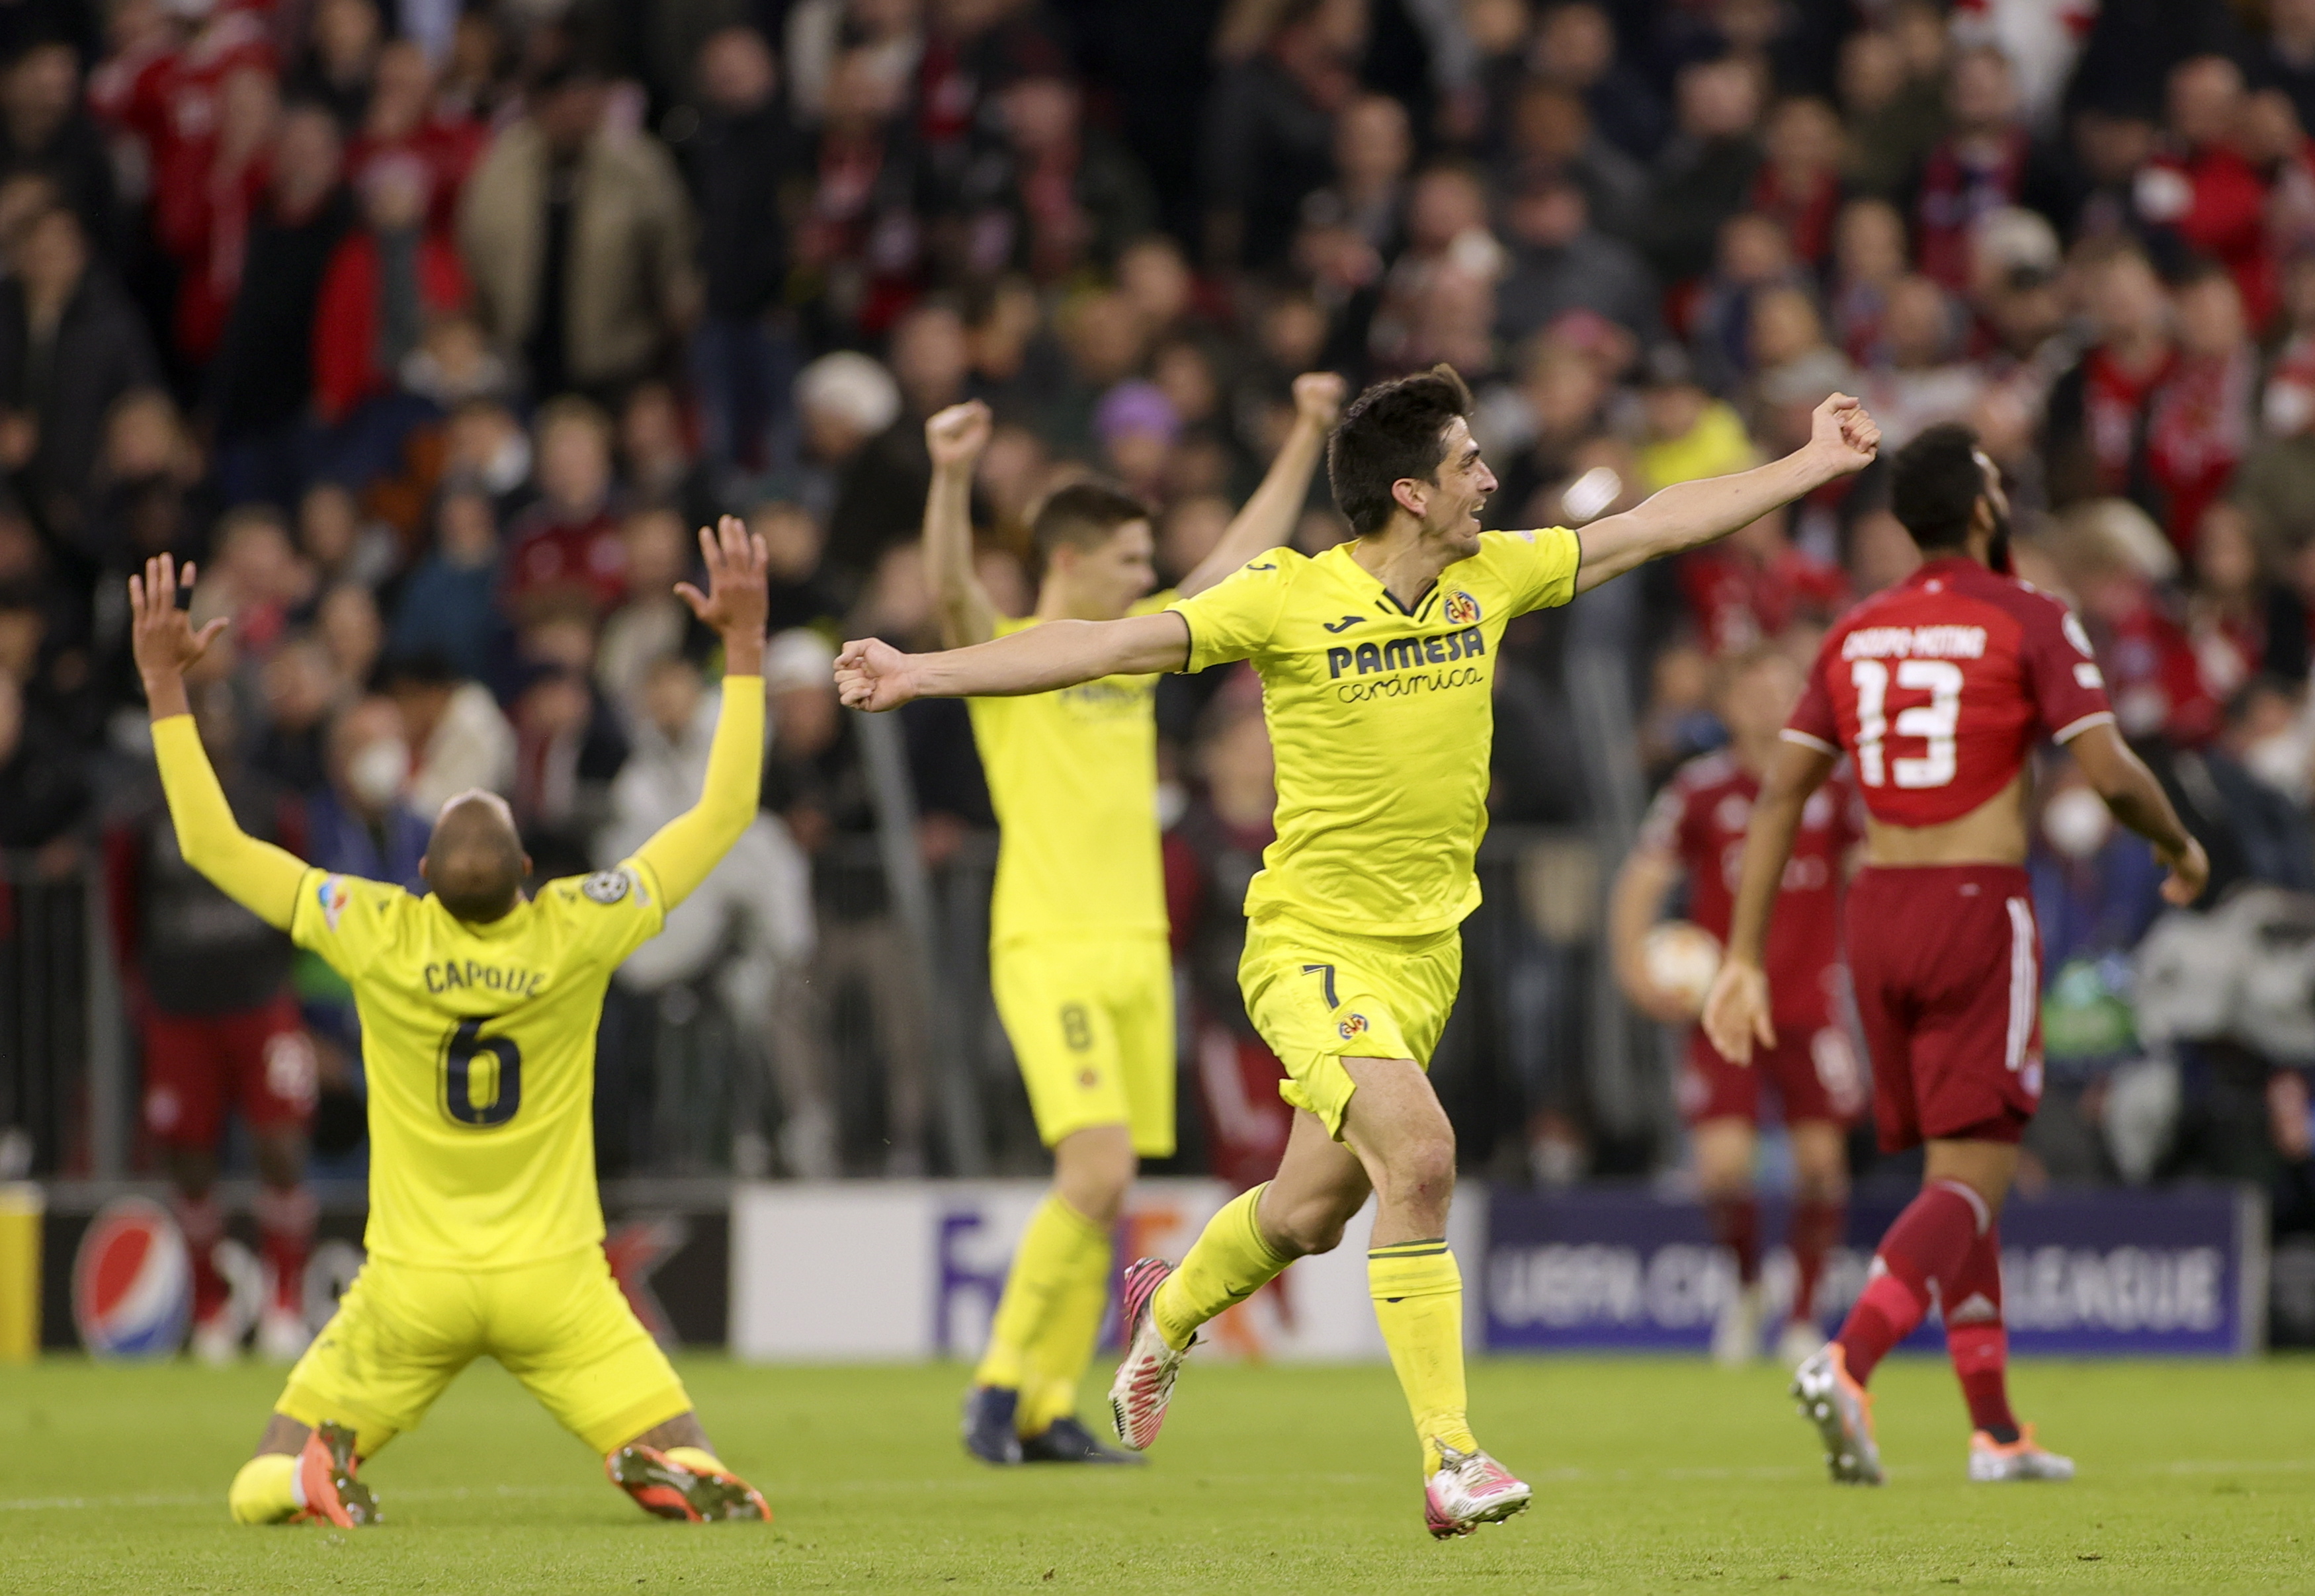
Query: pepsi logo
x=132 y=1281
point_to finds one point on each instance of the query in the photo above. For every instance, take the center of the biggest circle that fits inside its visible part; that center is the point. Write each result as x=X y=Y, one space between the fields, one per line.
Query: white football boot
x=1144 y=1383
x=1993 y=1463
x=1736 y=1336
x=1842 y=1414
x=1471 y=1489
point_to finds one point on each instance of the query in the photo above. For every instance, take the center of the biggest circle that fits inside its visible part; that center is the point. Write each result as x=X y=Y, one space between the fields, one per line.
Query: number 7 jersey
x=1941 y=686
x=478 y=1047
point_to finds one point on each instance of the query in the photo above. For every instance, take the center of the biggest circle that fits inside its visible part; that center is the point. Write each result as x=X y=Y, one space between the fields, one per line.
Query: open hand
x=956 y=436
x=735 y=602
x=1736 y=1011
x=1843 y=434
x=874 y=675
x=1318 y=398
x=160 y=635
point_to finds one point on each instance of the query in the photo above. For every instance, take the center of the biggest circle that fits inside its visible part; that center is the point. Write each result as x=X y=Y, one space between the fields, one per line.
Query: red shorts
x=1815 y=1072
x=198 y=1066
x=1946 y=964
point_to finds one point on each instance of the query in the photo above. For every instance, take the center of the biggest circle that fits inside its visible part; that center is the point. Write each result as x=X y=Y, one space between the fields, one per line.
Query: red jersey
x=1940 y=687
x=1700 y=817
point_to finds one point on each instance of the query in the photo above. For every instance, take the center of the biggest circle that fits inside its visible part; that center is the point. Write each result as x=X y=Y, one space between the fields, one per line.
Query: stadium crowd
x=432 y=331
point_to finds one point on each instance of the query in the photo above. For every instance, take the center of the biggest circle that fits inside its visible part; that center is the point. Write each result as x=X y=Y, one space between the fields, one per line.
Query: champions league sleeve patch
x=607 y=887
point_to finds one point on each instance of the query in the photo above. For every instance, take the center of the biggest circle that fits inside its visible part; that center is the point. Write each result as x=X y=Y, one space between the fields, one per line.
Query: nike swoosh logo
x=1344 y=625
x=1271 y=567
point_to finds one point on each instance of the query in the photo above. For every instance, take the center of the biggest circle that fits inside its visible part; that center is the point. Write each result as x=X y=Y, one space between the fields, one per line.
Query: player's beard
x=1997 y=551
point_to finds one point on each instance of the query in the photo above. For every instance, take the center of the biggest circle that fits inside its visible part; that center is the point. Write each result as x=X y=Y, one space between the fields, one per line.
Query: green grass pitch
x=1651 y=1475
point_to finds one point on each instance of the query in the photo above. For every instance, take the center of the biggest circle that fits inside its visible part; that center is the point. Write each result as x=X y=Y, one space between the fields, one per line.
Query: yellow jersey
x=1381 y=719
x=478 y=1042
x=1073 y=778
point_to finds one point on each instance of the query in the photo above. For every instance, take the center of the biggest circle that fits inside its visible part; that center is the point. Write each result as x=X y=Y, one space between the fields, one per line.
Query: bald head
x=475 y=860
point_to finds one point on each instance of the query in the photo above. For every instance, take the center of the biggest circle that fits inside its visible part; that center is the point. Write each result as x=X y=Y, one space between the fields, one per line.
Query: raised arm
x=956 y=438
x=1844 y=441
x=683 y=851
x=259 y=876
x=1266 y=520
x=2138 y=801
x=1736 y=1011
x=874 y=675
x=1644 y=880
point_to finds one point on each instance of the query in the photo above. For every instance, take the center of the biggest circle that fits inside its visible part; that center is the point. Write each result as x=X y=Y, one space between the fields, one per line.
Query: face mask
x=2077 y=823
x=510 y=466
x=2280 y=760
x=375 y=771
x=2289 y=408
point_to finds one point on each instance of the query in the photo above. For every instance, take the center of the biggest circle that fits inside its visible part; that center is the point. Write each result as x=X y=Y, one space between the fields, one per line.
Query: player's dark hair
x=1394 y=431
x=1935 y=483
x=473 y=861
x=1085 y=515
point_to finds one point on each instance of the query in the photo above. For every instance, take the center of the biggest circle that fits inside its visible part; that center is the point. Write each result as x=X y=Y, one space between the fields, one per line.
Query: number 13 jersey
x=1941 y=686
x=478 y=1044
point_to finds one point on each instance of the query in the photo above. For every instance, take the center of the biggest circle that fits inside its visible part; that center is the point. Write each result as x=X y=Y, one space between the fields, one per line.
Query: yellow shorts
x=1092 y=1023
x=1319 y=997
x=561 y=1327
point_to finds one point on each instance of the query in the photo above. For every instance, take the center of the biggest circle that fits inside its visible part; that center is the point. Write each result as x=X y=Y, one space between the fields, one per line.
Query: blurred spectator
x=262 y=382
x=883 y=491
x=388 y=277
x=340 y=543
x=341 y=59
x=1752 y=586
x=410 y=116
x=1559 y=261
x=1987 y=160
x=1551 y=136
x=743 y=938
x=300 y=688
x=1799 y=184
x=2096 y=432
x=1892 y=89
x=446 y=606
x=362 y=822
x=44 y=129
x=1920 y=380
x=1706 y=169
x=744 y=151
x=580 y=242
x=348 y=622
x=568 y=541
x=71 y=345
x=1690 y=434
x=456 y=737
x=1269 y=129
x=1575 y=50
x=2200 y=424
x=1066 y=198
x=657 y=462
x=800 y=592
x=44 y=790
x=844 y=400
x=2286 y=61
x=209 y=185
x=2203 y=190
x=653 y=623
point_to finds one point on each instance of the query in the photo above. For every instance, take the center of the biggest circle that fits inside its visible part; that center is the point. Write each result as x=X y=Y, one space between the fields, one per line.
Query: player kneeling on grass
x=1939 y=688
x=478 y=1012
x=1376 y=660
x=1695 y=829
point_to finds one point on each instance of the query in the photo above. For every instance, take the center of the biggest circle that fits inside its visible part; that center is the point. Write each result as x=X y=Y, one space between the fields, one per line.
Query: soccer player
x=1696 y=830
x=1376 y=659
x=1939 y=688
x=478 y=1010
x=1078 y=955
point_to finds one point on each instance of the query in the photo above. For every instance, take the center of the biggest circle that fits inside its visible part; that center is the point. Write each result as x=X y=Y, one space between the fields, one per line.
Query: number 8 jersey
x=478 y=1045
x=1940 y=685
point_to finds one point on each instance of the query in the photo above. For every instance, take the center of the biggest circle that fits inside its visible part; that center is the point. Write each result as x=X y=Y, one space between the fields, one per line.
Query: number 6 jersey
x=478 y=1043
x=1940 y=685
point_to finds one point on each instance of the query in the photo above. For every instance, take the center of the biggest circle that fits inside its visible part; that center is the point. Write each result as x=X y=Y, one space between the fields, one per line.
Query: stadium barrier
x=909 y=1270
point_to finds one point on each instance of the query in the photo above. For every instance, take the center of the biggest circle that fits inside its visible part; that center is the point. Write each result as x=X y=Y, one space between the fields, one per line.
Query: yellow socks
x=265 y=1491
x=1418 y=1298
x=1227 y=1264
x=1057 y=1363
x=1059 y=1251
x=697 y=1459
